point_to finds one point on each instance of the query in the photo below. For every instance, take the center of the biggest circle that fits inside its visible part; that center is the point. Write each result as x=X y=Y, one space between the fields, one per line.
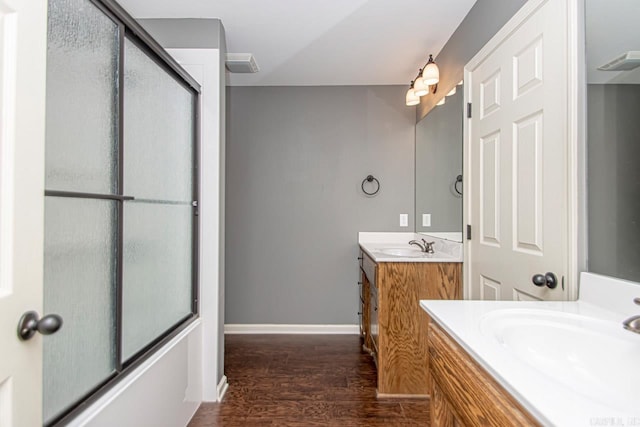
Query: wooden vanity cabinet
x=396 y=333
x=463 y=393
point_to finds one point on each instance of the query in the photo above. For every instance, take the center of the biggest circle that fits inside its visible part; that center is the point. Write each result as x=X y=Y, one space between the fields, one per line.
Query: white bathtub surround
x=373 y=243
x=165 y=390
x=563 y=377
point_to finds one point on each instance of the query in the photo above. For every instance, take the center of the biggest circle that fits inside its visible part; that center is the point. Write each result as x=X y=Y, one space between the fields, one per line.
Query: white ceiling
x=612 y=28
x=324 y=42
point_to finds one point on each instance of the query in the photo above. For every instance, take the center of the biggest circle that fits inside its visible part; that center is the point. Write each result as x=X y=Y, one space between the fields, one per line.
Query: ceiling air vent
x=241 y=63
x=626 y=61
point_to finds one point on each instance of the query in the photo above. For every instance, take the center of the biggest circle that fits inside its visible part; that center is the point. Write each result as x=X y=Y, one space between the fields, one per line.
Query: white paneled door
x=517 y=165
x=23 y=26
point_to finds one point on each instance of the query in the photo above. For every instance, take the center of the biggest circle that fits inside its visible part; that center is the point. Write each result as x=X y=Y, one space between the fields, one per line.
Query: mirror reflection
x=438 y=200
x=613 y=136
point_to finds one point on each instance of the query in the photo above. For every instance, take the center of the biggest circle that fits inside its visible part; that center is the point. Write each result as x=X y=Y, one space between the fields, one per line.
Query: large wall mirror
x=613 y=137
x=438 y=157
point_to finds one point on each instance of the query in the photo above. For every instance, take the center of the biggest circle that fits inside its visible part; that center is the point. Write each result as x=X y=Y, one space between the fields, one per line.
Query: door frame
x=576 y=136
x=23 y=34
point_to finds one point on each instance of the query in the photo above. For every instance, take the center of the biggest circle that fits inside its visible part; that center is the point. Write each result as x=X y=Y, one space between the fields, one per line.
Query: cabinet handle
x=359 y=258
x=359 y=313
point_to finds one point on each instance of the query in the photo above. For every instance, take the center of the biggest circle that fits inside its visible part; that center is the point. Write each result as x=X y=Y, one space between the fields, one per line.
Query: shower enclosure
x=121 y=200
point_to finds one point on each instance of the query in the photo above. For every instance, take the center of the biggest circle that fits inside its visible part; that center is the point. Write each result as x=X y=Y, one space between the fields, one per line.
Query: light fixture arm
x=430 y=61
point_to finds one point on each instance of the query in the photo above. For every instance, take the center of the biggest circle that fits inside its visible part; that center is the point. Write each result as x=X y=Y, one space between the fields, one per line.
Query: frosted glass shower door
x=120 y=201
x=81 y=170
x=158 y=224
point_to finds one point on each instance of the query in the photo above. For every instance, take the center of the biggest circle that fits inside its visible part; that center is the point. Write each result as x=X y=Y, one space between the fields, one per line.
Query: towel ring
x=455 y=185
x=370 y=178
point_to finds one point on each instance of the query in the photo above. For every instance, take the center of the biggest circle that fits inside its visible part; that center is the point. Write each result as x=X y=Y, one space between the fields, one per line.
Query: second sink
x=595 y=358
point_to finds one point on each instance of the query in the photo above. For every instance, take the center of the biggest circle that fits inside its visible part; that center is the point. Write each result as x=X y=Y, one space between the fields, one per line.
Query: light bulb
x=419 y=88
x=460 y=82
x=412 y=98
x=441 y=102
x=452 y=91
x=431 y=73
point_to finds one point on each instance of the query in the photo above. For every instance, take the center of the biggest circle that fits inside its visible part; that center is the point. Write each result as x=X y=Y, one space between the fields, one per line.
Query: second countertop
x=376 y=244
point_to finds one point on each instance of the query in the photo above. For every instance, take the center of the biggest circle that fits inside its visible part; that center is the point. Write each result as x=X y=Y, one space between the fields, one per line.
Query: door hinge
x=468 y=110
x=468 y=231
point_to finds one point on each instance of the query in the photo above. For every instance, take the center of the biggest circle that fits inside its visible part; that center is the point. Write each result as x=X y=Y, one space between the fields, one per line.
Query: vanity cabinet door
x=363 y=312
x=361 y=307
x=373 y=313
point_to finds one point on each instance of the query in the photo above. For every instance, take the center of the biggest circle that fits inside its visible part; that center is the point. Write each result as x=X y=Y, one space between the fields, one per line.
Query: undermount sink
x=404 y=252
x=593 y=357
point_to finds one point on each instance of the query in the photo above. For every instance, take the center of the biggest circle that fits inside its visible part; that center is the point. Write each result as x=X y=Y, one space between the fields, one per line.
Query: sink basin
x=405 y=252
x=595 y=358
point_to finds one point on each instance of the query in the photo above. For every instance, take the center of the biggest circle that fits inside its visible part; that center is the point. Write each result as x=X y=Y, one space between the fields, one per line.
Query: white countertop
x=546 y=397
x=372 y=243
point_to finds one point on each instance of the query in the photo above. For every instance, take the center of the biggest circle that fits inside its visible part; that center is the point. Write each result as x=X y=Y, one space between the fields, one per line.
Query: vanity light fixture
x=412 y=98
x=431 y=72
x=426 y=81
x=419 y=88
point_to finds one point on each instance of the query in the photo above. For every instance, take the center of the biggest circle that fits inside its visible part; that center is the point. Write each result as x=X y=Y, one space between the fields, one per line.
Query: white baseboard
x=223 y=385
x=291 y=329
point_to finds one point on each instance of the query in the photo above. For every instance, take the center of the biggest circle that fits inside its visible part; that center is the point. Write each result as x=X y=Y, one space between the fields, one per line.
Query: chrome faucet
x=425 y=246
x=633 y=323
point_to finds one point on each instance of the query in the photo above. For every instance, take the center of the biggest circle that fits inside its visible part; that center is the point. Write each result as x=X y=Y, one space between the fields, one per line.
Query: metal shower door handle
x=30 y=323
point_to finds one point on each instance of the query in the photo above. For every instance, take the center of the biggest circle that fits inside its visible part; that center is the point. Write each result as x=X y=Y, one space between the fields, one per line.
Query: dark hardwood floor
x=304 y=380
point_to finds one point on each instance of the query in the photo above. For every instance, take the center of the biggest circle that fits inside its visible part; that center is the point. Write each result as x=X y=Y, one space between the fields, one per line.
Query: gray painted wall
x=438 y=162
x=482 y=22
x=613 y=120
x=296 y=157
x=185 y=33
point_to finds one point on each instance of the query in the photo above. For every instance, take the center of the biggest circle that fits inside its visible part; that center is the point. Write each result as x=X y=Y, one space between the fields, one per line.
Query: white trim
x=573 y=132
x=578 y=225
x=466 y=185
x=204 y=66
x=291 y=329
x=223 y=385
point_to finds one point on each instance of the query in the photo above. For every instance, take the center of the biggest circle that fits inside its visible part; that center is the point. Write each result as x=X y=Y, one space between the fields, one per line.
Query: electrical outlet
x=426 y=220
x=404 y=220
